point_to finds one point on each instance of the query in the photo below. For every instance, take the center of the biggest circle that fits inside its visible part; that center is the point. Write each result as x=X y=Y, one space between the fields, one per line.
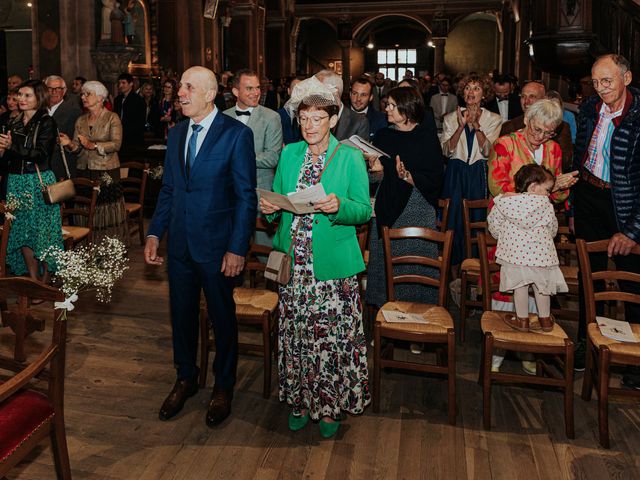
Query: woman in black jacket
x=408 y=193
x=26 y=149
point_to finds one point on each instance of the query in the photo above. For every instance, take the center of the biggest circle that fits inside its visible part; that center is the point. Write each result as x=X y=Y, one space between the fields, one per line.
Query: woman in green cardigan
x=322 y=360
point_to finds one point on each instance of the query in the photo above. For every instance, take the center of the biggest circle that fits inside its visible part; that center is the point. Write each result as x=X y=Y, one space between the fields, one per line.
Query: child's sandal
x=517 y=323
x=546 y=323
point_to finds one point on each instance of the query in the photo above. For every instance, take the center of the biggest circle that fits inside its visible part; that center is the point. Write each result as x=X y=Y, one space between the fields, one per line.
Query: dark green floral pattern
x=37 y=225
x=322 y=360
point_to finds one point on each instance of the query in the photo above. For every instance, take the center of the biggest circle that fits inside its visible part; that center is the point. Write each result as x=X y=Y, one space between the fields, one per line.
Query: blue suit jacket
x=377 y=121
x=290 y=130
x=214 y=210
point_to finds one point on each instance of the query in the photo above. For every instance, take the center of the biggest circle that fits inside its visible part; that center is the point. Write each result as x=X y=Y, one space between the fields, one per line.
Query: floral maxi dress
x=322 y=360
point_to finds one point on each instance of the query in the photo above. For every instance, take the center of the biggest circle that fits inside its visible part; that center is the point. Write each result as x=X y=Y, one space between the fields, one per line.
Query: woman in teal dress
x=25 y=148
x=322 y=355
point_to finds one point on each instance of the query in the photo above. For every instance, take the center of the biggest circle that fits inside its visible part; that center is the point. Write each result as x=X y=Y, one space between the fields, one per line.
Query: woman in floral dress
x=322 y=357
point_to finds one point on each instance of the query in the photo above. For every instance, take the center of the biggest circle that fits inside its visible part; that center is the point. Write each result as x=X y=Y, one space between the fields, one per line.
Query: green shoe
x=298 y=422
x=328 y=430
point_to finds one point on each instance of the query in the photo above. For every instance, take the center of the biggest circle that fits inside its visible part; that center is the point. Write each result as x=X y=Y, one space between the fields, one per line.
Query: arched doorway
x=393 y=44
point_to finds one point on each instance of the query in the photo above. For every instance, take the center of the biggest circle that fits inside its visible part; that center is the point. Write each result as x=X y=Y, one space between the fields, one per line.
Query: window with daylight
x=394 y=62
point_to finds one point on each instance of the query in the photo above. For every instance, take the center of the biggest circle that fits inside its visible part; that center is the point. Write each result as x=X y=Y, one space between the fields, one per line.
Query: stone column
x=438 y=57
x=345 y=45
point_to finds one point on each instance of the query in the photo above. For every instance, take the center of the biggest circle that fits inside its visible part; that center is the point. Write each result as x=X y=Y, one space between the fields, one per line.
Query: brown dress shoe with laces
x=219 y=406
x=182 y=390
x=517 y=323
x=546 y=323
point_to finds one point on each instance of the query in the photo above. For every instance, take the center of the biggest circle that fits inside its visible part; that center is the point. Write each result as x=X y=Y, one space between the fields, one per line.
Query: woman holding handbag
x=322 y=360
x=26 y=148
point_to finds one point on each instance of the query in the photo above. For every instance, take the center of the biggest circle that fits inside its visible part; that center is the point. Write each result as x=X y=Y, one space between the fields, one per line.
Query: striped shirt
x=599 y=151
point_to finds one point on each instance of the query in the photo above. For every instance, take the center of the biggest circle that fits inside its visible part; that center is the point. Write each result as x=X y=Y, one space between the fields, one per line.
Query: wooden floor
x=119 y=370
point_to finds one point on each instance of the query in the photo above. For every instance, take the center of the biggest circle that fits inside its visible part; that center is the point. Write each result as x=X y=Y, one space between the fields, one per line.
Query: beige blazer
x=106 y=134
x=489 y=123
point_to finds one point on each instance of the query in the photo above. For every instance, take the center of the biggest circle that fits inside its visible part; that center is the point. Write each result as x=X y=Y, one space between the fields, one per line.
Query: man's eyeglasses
x=315 y=121
x=55 y=89
x=544 y=133
x=603 y=82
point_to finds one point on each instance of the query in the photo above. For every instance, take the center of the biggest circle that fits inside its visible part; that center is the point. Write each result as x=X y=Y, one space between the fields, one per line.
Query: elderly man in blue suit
x=207 y=205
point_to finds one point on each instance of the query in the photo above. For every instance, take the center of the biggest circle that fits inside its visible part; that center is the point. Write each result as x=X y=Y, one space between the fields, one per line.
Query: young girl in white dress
x=524 y=223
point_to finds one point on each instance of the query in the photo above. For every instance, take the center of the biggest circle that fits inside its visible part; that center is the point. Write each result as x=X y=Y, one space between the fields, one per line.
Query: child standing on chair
x=524 y=223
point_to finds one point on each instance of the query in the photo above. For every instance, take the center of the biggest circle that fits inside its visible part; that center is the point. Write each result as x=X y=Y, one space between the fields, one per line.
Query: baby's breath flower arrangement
x=15 y=203
x=156 y=172
x=94 y=267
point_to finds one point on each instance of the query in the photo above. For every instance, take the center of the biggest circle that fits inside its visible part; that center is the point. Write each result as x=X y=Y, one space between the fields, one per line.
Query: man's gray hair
x=329 y=77
x=545 y=111
x=97 y=88
x=50 y=78
x=621 y=62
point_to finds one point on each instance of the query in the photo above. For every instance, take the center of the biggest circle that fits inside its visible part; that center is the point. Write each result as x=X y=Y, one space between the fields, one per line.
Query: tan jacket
x=106 y=134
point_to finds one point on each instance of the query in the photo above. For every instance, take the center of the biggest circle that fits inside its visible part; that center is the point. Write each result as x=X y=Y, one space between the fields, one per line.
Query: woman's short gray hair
x=545 y=111
x=97 y=88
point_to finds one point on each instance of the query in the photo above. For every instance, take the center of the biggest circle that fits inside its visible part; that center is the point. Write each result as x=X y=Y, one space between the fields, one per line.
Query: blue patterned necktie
x=191 y=150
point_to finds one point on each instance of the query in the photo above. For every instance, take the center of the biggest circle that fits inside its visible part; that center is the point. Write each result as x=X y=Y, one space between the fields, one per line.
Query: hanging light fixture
x=370 y=45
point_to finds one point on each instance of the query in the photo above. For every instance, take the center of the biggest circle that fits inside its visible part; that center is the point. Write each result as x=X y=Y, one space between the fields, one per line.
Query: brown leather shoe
x=182 y=390
x=517 y=323
x=546 y=323
x=219 y=406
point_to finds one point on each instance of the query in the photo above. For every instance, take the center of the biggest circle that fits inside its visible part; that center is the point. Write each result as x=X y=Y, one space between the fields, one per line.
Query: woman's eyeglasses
x=391 y=106
x=315 y=121
x=544 y=133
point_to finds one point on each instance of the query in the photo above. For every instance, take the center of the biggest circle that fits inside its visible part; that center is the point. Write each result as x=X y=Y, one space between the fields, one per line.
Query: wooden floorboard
x=119 y=369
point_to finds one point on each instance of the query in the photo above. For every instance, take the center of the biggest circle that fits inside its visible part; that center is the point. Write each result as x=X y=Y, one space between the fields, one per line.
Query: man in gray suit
x=349 y=122
x=444 y=101
x=263 y=122
x=65 y=112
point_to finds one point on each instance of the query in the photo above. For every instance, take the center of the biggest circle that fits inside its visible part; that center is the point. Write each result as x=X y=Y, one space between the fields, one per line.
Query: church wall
x=471 y=46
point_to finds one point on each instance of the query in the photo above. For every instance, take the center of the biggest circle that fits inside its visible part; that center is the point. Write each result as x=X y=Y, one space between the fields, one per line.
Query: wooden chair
x=470 y=268
x=133 y=179
x=566 y=248
x=28 y=415
x=443 y=205
x=254 y=306
x=498 y=334
x=82 y=205
x=438 y=331
x=5 y=230
x=603 y=352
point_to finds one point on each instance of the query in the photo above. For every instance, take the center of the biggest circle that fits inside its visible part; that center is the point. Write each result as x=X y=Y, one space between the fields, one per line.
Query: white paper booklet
x=362 y=144
x=393 y=316
x=297 y=202
x=616 y=330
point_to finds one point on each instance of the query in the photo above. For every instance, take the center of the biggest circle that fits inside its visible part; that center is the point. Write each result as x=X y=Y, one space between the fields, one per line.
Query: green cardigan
x=336 y=253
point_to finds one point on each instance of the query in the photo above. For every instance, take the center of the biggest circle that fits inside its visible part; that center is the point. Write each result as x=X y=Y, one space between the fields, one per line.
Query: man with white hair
x=65 y=112
x=349 y=122
x=607 y=197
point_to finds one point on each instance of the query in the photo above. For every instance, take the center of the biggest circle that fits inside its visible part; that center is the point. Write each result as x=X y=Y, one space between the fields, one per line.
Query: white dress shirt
x=205 y=124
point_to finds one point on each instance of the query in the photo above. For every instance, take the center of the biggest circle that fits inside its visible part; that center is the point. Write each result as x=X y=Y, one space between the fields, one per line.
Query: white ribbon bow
x=67 y=304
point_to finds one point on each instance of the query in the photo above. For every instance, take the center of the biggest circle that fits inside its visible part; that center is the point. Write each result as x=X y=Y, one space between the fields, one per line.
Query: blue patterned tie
x=191 y=150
